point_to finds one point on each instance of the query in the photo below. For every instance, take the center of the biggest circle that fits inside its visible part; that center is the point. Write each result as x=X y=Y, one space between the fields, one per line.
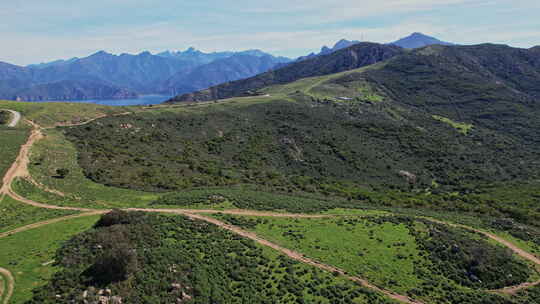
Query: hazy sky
x=33 y=31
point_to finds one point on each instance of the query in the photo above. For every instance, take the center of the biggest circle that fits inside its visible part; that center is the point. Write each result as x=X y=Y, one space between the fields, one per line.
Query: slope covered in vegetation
x=176 y=260
x=429 y=261
x=439 y=127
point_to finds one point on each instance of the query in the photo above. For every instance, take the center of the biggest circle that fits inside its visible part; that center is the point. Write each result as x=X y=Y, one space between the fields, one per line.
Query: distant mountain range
x=238 y=66
x=344 y=55
x=106 y=76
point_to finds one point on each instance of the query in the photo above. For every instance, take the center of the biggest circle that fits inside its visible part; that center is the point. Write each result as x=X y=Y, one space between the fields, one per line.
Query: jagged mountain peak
x=344 y=43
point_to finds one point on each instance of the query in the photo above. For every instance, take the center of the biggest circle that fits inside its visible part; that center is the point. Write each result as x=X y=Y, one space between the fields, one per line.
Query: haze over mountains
x=126 y=75
x=107 y=76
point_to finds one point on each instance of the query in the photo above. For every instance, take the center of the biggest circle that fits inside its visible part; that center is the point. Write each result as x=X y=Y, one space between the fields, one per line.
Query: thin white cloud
x=34 y=31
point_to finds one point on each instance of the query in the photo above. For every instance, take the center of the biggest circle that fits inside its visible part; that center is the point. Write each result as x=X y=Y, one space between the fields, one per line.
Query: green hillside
x=176 y=260
x=370 y=134
x=429 y=261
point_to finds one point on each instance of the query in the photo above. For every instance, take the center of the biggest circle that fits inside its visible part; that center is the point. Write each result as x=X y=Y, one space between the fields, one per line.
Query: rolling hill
x=442 y=119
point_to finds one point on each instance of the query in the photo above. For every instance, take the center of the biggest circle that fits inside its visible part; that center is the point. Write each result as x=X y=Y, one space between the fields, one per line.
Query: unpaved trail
x=19 y=168
x=89 y=120
x=515 y=249
x=515 y=289
x=41 y=186
x=520 y=252
x=240 y=212
x=51 y=221
x=300 y=257
x=9 y=285
x=65 y=124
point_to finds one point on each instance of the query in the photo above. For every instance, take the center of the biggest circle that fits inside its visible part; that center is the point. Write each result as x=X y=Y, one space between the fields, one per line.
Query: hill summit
x=418 y=40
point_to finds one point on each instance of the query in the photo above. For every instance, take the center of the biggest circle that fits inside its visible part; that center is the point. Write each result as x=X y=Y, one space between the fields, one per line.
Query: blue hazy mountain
x=239 y=66
x=128 y=74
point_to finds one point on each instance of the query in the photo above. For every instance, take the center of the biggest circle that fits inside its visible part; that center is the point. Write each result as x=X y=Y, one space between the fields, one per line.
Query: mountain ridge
x=355 y=56
x=142 y=73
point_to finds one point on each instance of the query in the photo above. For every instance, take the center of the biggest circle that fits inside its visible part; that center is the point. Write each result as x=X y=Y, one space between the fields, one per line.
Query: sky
x=33 y=31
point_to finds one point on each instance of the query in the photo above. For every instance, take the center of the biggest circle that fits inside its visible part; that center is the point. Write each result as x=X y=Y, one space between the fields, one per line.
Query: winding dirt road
x=9 y=285
x=20 y=169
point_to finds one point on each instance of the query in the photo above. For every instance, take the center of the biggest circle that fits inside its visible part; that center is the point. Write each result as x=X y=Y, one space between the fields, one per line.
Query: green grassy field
x=207 y=262
x=389 y=253
x=462 y=128
x=16 y=214
x=28 y=255
x=311 y=276
x=11 y=140
x=363 y=249
x=50 y=114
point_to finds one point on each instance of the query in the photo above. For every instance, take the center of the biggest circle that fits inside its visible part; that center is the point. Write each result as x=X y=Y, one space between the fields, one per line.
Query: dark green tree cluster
x=4 y=117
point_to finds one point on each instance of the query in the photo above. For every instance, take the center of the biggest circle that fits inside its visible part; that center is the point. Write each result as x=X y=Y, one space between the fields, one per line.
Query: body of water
x=142 y=100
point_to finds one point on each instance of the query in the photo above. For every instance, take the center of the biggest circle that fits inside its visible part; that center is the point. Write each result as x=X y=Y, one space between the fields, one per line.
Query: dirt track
x=51 y=221
x=300 y=257
x=232 y=212
x=20 y=169
x=7 y=291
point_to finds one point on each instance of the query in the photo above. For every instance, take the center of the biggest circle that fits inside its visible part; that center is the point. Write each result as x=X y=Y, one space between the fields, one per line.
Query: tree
x=62 y=172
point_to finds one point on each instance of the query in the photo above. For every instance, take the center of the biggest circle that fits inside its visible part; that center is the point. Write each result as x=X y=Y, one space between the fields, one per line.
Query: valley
x=368 y=173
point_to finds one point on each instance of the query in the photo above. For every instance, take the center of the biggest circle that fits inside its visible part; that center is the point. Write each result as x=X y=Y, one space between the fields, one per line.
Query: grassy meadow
x=11 y=140
x=16 y=214
x=29 y=255
x=397 y=254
